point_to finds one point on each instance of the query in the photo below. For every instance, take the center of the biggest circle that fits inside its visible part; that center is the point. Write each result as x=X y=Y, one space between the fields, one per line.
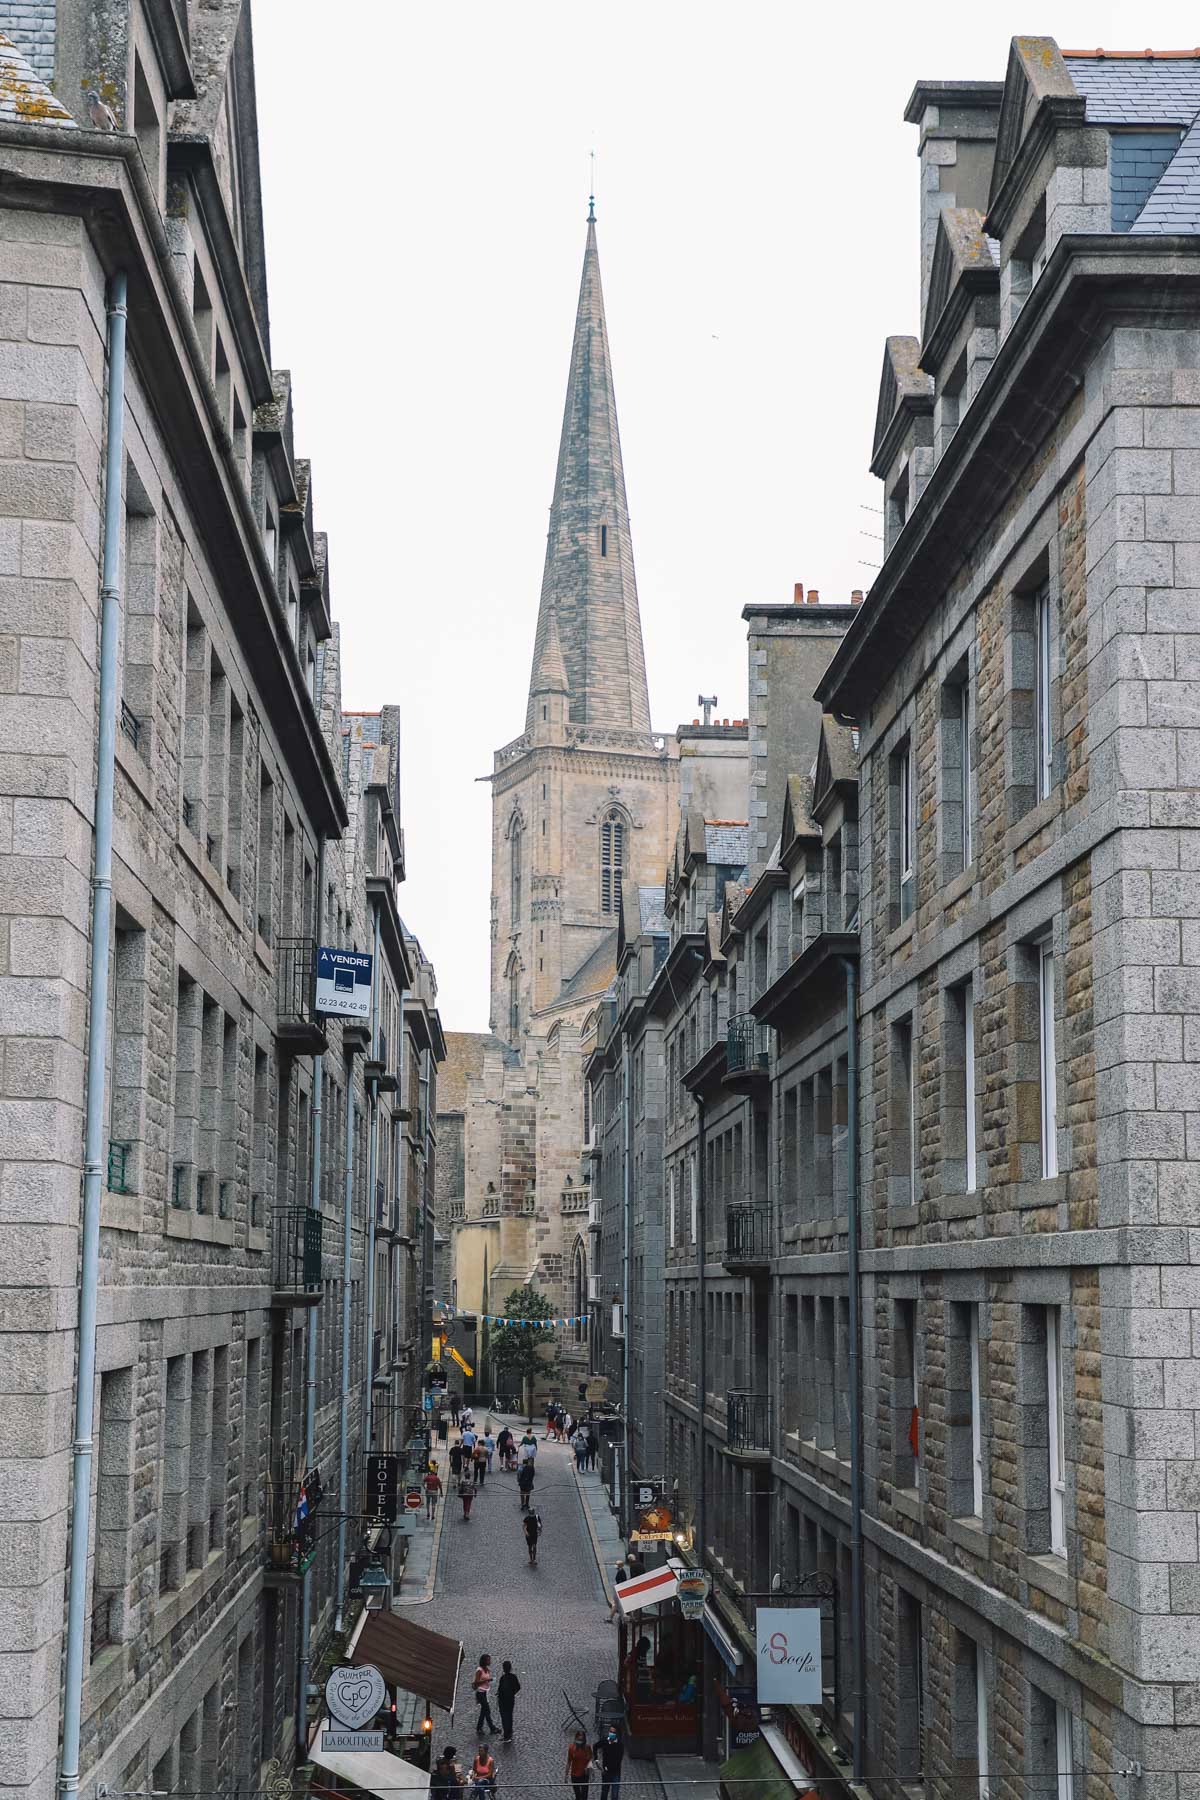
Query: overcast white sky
x=426 y=174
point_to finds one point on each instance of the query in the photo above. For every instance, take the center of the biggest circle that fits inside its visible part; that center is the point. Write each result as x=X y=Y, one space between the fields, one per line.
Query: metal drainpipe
x=344 y=1424
x=373 y=1103
x=626 y=1209
x=701 y=1327
x=310 y=1384
x=93 y=1158
x=855 y=1370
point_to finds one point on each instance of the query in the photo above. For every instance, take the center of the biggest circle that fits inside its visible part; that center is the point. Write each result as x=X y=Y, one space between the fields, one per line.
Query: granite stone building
x=251 y=820
x=1021 y=677
x=583 y=802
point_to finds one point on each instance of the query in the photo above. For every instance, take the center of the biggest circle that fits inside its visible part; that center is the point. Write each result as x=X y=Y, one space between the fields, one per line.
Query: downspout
x=344 y=1424
x=701 y=1325
x=373 y=1103
x=626 y=1211
x=310 y=1383
x=855 y=1371
x=93 y=1154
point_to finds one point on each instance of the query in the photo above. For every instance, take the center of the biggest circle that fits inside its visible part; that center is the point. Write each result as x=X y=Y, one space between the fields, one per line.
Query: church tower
x=583 y=800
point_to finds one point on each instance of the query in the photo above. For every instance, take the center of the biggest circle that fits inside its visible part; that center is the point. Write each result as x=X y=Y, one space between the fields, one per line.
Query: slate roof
x=24 y=96
x=593 y=974
x=726 y=841
x=1137 y=90
x=650 y=909
x=1175 y=203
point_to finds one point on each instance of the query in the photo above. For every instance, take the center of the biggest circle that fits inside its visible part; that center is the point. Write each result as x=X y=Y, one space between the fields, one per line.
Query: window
x=906 y=1422
x=514 y=860
x=1051 y=1737
x=1044 y=692
x=1054 y=1435
x=1047 y=1067
x=514 y=999
x=1063 y=1755
x=976 y=1414
x=579 y=1304
x=903 y=1115
x=904 y=832
x=692 y=1167
x=981 y=1724
x=910 y=1695
x=114 y=1507
x=672 y=1178
x=970 y=1098
x=612 y=861
x=604 y=540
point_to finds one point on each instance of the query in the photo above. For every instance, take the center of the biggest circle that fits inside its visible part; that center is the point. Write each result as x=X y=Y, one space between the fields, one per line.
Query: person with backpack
x=507 y=1689
x=533 y=1531
x=525 y=1483
x=466 y=1494
x=433 y=1490
x=481 y=1686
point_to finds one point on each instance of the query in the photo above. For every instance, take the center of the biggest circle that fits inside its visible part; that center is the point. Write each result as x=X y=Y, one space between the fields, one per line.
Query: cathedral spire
x=589 y=586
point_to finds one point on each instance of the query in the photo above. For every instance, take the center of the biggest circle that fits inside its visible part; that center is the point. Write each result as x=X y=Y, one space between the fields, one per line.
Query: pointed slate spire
x=589 y=585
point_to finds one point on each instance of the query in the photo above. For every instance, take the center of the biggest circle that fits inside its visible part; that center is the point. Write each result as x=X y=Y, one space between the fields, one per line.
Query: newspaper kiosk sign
x=789 y=1655
x=343 y=982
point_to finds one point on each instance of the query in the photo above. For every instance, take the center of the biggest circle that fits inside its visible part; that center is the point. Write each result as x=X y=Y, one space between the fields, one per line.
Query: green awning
x=754 y=1774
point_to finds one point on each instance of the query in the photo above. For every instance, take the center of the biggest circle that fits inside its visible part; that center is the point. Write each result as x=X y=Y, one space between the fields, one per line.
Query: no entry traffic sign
x=413 y=1500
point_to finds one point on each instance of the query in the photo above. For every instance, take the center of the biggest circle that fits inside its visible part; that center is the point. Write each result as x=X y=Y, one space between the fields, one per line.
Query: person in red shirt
x=433 y=1489
x=579 y=1765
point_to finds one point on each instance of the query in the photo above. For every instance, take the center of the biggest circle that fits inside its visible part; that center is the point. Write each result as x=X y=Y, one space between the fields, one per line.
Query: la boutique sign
x=789 y=1655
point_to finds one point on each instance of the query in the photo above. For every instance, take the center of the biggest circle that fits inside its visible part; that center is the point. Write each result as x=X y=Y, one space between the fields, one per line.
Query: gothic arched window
x=612 y=860
x=579 y=1294
x=514 y=1000
x=515 y=834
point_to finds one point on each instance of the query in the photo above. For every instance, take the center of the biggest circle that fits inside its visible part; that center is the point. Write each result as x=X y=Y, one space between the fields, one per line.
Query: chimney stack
x=958 y=121
x=814 y=599
x=856 y=597
x=798 y=596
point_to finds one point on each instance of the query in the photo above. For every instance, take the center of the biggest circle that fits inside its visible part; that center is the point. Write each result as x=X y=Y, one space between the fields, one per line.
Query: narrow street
x=551 y=1622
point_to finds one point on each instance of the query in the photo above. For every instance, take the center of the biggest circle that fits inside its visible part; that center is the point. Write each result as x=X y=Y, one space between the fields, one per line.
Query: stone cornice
x=1089 y=279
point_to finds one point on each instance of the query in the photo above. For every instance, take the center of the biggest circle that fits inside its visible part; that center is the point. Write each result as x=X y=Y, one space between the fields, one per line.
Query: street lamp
x=375 y=1585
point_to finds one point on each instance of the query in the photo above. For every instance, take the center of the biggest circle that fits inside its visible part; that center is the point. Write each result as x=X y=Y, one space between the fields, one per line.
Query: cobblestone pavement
x=550 y=1621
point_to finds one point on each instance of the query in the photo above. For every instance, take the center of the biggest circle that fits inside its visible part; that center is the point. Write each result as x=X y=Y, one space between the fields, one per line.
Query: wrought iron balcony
x=298 y=1026
x=747 y=1426
x=748 y=1236
x=296 y=1253
x=747 y=1050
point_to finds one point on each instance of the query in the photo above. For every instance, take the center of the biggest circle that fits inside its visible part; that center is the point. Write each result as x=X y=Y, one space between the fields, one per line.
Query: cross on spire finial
x=592 y=184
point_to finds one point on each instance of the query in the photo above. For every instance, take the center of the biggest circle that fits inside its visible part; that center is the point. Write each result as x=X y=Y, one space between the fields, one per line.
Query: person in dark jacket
x=525 y=1483
x=507 y=1689
x=609 y=1754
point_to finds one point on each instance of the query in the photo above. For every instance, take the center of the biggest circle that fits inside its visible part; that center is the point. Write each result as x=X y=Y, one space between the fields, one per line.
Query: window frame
x=966 y=829
x=1043 y=693
x=906 y=823
x=1056 y=1465
x=1047 y=1070
x=970 y=1094
x=1064 y=1753
x=982 y=1722
x=976 y=1410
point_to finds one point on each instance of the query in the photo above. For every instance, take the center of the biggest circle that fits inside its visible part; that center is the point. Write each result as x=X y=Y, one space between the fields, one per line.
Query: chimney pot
x=856 y=597
x=814 y=599
x=695 y=721
x=798 y=595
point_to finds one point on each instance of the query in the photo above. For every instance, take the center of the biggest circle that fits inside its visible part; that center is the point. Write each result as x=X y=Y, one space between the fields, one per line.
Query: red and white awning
x=644 y=1590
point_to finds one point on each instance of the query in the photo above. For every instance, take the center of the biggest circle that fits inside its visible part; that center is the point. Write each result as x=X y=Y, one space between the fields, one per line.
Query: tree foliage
x=518 y=1349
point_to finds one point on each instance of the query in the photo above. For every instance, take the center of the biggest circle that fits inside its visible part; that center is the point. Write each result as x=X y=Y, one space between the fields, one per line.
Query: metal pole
x=310 y=1382
x=626 y=1209
x=701 y=1323
x=373 y=1103
x=859 y=1681
x=344 y=1425
x=93 y=1156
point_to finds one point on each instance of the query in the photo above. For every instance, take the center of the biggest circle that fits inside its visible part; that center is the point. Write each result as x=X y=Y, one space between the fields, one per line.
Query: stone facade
x=251 y=819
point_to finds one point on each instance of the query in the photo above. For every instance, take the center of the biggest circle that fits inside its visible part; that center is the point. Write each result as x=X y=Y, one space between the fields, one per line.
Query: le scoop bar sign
x=789 y=1655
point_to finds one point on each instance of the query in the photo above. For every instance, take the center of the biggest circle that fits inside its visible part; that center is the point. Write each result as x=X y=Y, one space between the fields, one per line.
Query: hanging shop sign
x=343 y=982
x=655 y=1524
x=789 y=1655
x=383 y=1483
x=694 y=1585
x=354 y=1697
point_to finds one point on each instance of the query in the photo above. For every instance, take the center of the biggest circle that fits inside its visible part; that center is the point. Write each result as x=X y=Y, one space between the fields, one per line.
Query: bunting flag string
x=446 y=1309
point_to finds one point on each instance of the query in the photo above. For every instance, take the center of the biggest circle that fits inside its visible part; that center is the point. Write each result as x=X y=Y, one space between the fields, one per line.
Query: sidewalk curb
x=426 y=1594
x=601 y=1565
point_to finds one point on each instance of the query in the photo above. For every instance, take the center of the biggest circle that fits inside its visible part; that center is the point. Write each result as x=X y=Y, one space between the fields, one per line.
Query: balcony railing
x=747 y=1424
x=491 y=1206
x=298 y=1023
x=747 y=1046
x=574 y=1200
x=748 y=1234
x=458 y=1209
x=296 y=1252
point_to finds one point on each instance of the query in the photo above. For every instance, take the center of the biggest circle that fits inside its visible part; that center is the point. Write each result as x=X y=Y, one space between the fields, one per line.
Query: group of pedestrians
x=507 y=1689
x=605 y=1757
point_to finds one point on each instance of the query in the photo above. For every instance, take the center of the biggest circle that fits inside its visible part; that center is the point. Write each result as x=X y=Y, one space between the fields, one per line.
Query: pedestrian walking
x=466 y=1494
x=433 y=1491
x=468 y=1436
x=609 y=1754
x=481 y=1685
x=456 y=1458
x=507 y=1689
x=533 y=1531
x=525 y=1483
x=468 y=1419
x=620 y=1573
x=489 y=1444
x=504 y=1446
x=527 y=1448
x=580 y=1450
x=479 y=1457
x=455 y=1406
x=579 y=1764
x=593 y=1445
x=568 y=1427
